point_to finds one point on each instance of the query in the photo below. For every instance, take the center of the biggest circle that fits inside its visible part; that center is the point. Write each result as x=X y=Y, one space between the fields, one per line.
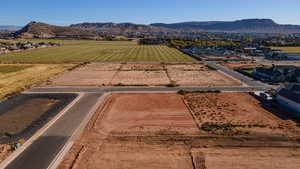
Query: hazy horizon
x=168 y=11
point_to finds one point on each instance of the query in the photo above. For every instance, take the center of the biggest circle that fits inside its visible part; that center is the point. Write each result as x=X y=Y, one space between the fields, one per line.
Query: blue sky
x=65 y=12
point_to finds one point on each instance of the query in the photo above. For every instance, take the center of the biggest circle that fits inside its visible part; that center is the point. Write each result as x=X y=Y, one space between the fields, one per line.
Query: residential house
x=277 y=74
x=289 y=97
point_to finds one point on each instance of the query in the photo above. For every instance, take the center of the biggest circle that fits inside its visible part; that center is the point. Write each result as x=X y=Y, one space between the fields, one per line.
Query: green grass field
x=288 y=49
x=76 y=51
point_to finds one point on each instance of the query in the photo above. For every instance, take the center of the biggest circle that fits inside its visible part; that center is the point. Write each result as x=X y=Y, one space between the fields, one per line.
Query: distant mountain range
x=94 y=30
x=120 y=28
x=9 y=28
x=246 y=25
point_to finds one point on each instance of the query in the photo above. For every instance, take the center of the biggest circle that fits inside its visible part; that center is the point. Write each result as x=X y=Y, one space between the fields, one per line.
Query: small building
x=289 y=97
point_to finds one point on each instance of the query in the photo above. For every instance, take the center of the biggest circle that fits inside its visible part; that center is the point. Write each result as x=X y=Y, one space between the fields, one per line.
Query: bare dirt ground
x=198 y=75
x=20 y=117
x=95 y=74
x=250 y=158
x=229 y=113
x=148 y=78
x=5 y=151
x=143 y=114
x=143 y=74
x=202 y=78
x=142 y=67
x=157 y=131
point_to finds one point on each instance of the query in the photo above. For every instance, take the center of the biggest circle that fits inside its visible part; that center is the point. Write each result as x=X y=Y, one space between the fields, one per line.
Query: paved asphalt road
x=242 y=78
x=42 y=152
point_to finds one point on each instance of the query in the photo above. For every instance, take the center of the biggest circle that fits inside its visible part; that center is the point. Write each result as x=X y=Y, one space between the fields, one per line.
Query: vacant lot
x=15 y=78
x=250 y=158
x=97 y=74
x=97 y=51
x=144 y=115
x=288 y=49
x=198 y=75
x=234 y=113
x=157 y=131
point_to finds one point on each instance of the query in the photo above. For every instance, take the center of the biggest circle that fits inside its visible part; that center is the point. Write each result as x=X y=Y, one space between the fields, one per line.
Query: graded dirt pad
x=148 y=78
x=130 y=115
x=95 y=74
x=17 y=119
x=157 y=131
x=144 y=74
x=202 y=78
x=143 y=112
x=250 y=158
x=23 y=115
x=84 y=78
x=240 y=109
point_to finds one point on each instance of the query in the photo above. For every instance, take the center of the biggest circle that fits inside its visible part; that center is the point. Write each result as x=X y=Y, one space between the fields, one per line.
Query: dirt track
x=157 y=131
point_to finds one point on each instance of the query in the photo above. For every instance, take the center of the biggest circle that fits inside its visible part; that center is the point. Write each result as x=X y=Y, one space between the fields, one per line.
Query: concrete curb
x=16 y=153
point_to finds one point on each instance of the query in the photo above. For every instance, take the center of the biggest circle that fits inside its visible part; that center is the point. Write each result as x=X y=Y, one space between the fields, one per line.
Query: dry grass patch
x=17 y=81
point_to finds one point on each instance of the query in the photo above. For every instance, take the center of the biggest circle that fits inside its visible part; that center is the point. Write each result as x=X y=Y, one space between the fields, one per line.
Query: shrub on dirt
x=172 y=84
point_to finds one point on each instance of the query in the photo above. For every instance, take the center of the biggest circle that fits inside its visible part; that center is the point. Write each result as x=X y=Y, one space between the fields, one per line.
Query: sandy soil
x=237 y=109
x=149 y=78
x=202 y=78
x=250 y=158
x=20 y=117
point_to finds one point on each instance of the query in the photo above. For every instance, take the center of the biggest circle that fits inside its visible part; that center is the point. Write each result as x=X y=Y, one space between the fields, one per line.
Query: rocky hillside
x=246 y=25
x=120 y=28
x=43 y=30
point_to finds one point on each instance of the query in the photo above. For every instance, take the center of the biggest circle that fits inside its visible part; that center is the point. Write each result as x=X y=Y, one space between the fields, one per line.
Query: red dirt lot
x=251 y=158
x=131 y=114
x=237 y=109
x=143 y=112
x=157 y=131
